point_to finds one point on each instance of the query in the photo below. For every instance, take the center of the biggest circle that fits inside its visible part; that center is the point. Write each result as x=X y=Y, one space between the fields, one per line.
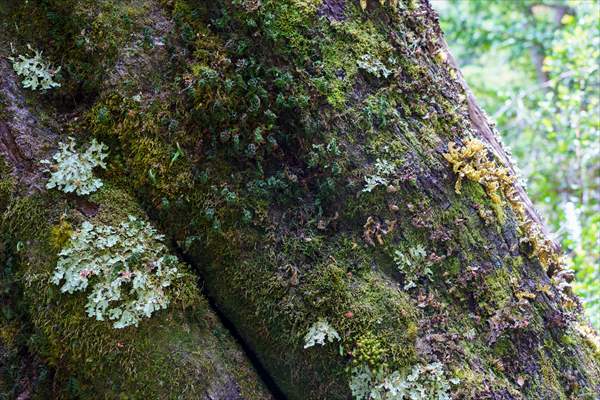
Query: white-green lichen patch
x=414 y=265
x=127 y=267
x=424 y=382
x=320 y=333
x=36 y=73
x=72 y=171
x=383 y=170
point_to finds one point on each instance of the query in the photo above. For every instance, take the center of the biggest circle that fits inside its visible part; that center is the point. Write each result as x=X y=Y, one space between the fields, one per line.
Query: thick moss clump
x=7 y=185
x=83 y=37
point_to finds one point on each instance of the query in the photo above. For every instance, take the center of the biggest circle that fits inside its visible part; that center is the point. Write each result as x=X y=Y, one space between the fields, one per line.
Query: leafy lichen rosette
x=127 y=267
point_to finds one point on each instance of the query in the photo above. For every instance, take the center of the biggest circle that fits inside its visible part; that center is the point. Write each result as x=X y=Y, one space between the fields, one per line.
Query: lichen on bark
x=49 y=347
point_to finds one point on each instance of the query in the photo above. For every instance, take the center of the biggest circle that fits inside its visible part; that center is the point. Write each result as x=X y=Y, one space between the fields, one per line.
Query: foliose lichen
x=383 y=170
x=128 y=267
x=413 y=265
x=319 y=333
x=424 y=382
x=374 y=66
x=72 y=171
x=36 y=73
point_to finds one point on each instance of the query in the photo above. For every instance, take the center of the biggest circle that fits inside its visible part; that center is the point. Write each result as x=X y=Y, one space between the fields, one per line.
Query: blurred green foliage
x=534 y=67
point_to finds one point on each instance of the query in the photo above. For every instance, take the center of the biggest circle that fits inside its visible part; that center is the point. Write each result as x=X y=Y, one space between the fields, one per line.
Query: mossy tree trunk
x=49 y=347
x=323 y=160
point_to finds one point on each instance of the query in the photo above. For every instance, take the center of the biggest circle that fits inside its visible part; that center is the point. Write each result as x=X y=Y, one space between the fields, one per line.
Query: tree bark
x=299 y=153
x=49 y=348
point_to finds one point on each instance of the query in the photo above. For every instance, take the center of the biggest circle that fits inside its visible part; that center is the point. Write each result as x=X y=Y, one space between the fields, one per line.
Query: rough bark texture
x=246 y=129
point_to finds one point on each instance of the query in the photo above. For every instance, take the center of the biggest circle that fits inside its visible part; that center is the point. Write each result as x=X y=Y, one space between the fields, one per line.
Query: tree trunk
x=186 y=351
x=49 y=348
x=319 y=164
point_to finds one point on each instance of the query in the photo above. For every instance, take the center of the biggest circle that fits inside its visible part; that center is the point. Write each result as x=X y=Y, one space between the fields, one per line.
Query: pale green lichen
x=413 y=265
x=319 y=333
x=71 y=171
x=128 y=267
x=363 y=382
x=374 y=66
x=36 y=73
x=383 y=170
x=425 y=382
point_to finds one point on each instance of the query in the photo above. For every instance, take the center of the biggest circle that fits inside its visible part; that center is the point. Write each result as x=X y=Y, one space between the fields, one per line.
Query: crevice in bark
x=251 y=355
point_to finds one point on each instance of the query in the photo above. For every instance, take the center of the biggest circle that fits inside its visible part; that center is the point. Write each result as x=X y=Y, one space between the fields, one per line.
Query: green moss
x=498 y=291
x=344 y=44
x=86 y=36
x=549 y=378
x=503 y=348
x=7 y=185
x=369 y=350
x=287 y=23
x=60 y=234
